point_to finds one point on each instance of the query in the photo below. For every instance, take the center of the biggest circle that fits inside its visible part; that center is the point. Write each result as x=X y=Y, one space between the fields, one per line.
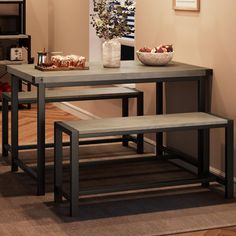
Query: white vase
x=111 y=50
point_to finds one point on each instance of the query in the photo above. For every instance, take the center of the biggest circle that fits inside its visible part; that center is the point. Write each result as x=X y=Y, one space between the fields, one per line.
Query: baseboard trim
x=149 y=144
x=76 y=111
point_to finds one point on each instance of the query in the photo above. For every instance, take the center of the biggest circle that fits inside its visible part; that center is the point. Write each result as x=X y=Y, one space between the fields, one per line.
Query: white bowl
x=155 y=59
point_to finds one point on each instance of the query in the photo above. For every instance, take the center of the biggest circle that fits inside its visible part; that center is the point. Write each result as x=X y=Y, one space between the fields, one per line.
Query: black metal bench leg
x=125 y=113
x=204 y=155
x=74 y=170
x=140 y=142
x=229 y=160
x=159 y=110
x=29 y=89
x=58 y=164
x=4 y=127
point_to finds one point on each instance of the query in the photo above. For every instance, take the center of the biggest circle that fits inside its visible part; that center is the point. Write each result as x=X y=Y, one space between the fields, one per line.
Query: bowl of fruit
x=157 y=56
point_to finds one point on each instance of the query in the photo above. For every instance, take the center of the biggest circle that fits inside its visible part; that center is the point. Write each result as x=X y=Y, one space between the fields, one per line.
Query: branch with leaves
x=110 y=18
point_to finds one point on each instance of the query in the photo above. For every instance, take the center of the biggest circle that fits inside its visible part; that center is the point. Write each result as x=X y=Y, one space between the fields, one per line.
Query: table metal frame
x=183 y=72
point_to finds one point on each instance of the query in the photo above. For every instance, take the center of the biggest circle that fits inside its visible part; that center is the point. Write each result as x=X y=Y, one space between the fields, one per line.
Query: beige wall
x=37 y=24
x=58 y=25
x=68 y=26
x=206 y=38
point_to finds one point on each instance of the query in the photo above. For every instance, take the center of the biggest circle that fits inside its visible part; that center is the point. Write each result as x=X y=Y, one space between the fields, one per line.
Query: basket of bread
x=59 y=62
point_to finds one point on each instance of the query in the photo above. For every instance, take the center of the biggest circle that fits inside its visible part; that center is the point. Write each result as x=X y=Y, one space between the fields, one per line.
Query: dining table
x=129 y=72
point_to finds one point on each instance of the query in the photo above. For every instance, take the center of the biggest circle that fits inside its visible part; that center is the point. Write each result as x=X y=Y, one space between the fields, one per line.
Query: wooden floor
x=28 y=125
x=27 y=135
x=215 y=232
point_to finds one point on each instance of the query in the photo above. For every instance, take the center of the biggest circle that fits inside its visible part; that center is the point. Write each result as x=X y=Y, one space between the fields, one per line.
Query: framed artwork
x=186 y=5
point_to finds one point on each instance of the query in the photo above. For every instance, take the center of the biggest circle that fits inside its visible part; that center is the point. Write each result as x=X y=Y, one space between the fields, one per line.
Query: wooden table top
x=129 y=72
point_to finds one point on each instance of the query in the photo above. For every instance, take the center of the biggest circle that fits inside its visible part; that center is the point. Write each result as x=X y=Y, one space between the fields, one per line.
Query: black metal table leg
x=4 y=127
x=29 y=89
x=202 y=94
x=41 y=139
x=14 y=122
x=229 y=160
x=20 y=85
x=125 y=113
x=140 y=108
x=58 y=165
x=74 y=170
x=159 y=110
x=203 y=135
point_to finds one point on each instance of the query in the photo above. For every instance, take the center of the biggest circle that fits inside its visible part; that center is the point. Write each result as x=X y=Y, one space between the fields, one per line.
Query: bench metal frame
x=204 y=176
x=16 y=162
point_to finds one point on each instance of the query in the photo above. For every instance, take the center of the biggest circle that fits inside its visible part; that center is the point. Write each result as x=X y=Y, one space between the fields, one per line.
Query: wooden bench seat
x=138 y=125
x=75 y=95
x=62 y=95
x=143 y=124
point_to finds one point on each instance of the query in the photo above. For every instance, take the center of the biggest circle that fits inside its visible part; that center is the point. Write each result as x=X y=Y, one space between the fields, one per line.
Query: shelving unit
x=20 y=40
x=13 y=35
x=20 y=17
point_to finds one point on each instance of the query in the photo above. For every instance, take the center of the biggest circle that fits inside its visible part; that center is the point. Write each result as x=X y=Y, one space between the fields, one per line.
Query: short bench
x=139 y=125
x=72 y=95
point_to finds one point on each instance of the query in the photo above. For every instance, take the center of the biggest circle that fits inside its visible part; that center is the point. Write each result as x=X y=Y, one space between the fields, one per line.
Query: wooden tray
x=60 y=68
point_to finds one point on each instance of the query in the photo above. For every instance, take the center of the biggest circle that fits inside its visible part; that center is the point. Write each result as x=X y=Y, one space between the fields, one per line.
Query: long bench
x=138 y=125
x=73 y=95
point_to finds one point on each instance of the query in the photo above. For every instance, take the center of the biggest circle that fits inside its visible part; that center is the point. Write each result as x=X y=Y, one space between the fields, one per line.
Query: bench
x=73 y=95
x=139 y=125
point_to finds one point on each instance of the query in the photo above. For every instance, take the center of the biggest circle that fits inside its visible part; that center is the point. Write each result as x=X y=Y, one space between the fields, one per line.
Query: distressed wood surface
x=134 y=124
x=82 y=93
x=129 y=72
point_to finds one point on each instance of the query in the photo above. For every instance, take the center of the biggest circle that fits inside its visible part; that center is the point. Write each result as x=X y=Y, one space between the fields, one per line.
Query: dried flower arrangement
x=110 y=18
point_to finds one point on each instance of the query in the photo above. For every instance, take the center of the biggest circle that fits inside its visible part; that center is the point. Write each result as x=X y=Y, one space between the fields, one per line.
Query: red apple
x=145 y=49
x=169 y=48
x=148 y=49
x=159 y=50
